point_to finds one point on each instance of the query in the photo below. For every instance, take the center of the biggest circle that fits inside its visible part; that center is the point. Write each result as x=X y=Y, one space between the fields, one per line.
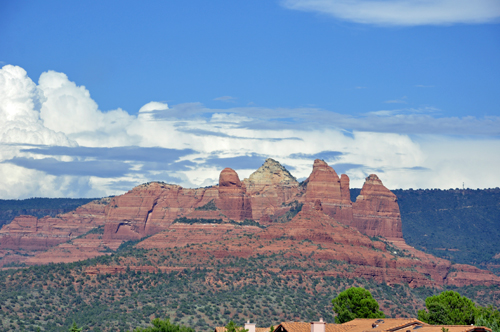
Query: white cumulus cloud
x=55 y=141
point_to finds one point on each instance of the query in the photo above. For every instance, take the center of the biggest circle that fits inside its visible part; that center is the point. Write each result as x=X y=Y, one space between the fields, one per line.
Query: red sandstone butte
x=269 y=188
x=233 y=200
x=325 y=185
x=376 y=210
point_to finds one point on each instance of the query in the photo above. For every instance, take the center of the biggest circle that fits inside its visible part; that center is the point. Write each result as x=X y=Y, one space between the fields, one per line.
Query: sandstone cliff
x=376 y=211
x=338 y=229
x=233 y=200
x=325 y=185
x=269 y=188
x=316 y=244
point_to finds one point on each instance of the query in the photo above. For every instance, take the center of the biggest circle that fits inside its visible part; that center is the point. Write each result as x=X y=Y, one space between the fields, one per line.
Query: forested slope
x=38 y=207
x=460 y=225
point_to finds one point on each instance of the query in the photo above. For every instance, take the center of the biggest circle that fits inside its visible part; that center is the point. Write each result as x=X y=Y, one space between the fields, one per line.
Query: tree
x=164 y=326
x=74 y=328
x=232 y=327
x=355 y=302
x=448 y=308
x=489 y=317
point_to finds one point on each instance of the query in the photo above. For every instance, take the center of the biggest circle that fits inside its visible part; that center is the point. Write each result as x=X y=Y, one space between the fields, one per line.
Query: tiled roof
x=371 y=325
x=405 y=325
x=452 y=328
x=294 y=327
x=223 y=329
x=385 y=324
x=306 y=327
x=262 y=329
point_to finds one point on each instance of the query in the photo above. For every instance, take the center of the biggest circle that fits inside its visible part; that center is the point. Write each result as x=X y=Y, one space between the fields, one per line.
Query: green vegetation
x=295 y=208
x=164 y=326
x=459 y=225
x=210 y=206
x=208 y=292
x=38 y=207
x=74 y=328
x=448 y=308
x=191 y=221
x=232 y=327
x=489 y=317
x=355 y=302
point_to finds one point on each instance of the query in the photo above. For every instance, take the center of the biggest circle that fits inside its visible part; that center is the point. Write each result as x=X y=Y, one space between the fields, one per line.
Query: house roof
x=385 y=324
x=306 y=327
x=453 y=328
x=405 y=325
x=257 y=329
x=372 y=325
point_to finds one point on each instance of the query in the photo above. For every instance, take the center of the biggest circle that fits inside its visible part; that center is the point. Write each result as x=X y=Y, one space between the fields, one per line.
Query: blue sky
x=408 y=89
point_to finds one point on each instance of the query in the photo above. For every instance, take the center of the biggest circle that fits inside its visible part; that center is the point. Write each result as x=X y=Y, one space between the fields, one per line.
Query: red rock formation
x=317 y=236
x=150 y=208
x=329 y=228
x=324 y=184
x=233 y=201
x=376 y=210
x=89 y=246
x=179 y=235
x=269 y=188
x=31 y=233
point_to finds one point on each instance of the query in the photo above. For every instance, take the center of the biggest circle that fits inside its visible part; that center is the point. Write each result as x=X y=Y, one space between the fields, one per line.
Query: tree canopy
x=489 y=317
x=448 y=308
x=74 y=328
x=232 y=327
x=355 y=302
x=164 y=326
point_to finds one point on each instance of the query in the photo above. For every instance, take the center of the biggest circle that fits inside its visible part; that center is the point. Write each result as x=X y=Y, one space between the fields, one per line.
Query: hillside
x=459 y=225
x=263 y=249
x=201 y=285
x=38 y=207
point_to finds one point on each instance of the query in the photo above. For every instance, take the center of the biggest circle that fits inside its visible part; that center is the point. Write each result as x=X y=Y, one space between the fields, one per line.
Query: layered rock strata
x=233 y=200
x=376 y=210
x=269 y=189
x=325 y=185
x=31 y=233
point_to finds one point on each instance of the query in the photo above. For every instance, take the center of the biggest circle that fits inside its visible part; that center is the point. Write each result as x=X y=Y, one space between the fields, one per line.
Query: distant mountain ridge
x=38 y=207
x=271 y=198
x=460 y=225
x=451 y=224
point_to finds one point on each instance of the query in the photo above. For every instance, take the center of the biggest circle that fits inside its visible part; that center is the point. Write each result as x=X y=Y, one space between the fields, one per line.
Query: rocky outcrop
x=330 y=228
x=269 y=188
x=376 y=210
x=233 y=200
x=150 y=208
x=31 y=233
x=332 y=248
x=325 y=185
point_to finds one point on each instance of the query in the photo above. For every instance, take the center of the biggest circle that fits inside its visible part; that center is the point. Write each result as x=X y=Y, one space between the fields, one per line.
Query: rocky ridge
x=271 y=196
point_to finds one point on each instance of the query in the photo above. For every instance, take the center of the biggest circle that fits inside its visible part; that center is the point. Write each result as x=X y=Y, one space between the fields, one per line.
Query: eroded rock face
x=269 y=188
x=376 y=210
x=315 y=235
x=233 y=201
x=325 y=185
x=31 y=233
x=150 y=208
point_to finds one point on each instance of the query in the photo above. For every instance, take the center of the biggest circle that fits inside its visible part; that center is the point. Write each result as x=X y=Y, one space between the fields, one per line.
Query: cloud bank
x=403 y=12
x=56 y=142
